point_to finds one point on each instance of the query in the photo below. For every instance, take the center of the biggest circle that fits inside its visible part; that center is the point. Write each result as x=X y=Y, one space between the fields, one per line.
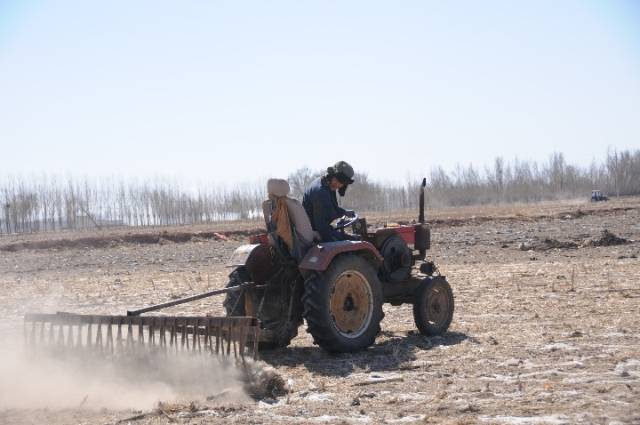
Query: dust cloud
x=33 y=379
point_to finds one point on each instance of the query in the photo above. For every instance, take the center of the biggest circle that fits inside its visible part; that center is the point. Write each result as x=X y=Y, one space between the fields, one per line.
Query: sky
x=230 y=91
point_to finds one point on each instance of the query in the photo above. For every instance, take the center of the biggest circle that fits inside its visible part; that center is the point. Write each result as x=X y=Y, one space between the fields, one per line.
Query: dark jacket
x=321 y=205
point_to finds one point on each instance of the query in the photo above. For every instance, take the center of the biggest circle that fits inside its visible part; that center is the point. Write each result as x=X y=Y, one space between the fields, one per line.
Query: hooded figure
x=321 y=203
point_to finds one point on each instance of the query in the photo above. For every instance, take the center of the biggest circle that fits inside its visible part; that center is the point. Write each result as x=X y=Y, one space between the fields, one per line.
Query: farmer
x=321 y=204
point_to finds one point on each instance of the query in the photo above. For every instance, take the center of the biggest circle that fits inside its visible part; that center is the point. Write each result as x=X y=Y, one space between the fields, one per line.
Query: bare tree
x=53 y=203
x=300 y=179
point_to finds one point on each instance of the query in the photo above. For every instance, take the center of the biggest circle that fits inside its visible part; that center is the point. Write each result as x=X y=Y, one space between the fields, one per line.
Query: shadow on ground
x=392 y=354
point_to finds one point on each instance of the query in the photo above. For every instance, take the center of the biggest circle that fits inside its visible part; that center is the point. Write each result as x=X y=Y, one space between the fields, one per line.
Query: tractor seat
x=302 y=233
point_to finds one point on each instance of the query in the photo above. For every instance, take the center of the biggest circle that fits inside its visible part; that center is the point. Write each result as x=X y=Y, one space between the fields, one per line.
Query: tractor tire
x=433 y=306
x=343 y=305
x=234 y=301
x=276 y=331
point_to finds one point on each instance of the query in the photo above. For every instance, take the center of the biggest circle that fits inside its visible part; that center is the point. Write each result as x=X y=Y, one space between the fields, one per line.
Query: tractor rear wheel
x=234 y=301
x=276 y=330
x=433 y=306
x=343 y=305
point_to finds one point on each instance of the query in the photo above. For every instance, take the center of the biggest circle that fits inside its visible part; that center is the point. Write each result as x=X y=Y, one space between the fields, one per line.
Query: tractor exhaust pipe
x=423 y=234
x=421 y=214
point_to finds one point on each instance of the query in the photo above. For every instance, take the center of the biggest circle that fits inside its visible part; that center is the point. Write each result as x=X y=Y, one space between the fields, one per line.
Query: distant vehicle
x=597 y=196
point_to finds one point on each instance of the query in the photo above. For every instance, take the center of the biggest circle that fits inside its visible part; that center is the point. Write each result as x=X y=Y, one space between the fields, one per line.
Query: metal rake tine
x=242 y=341
x=229 y=330
x=140 y=334
x=200 y=334
x=79 y=338
x=109 y=338
x=219 y=341
x=206 y=335
x=129 y=342
x=70 y=335
x=204 y=332
x=234 y=341
x=197 y=332
x=212 y=336
x=60 y=340
x=193 y=342
x=119 y=335
x=162 y=336
x=194 y=333
x=99 y=336
x=256 y=337
x=186 y=333
x=167 y=328
x=151 y=334
x=176 y=346
x=33 y=333
x=51 y=335
x=173 y=337
x=89 y=335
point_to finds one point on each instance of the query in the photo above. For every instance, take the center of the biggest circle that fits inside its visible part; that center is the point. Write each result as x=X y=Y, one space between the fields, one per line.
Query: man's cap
x=342 y=171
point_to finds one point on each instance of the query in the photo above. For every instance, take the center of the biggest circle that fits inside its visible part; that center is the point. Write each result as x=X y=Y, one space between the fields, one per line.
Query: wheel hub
x=437 y=306
x=351 y=304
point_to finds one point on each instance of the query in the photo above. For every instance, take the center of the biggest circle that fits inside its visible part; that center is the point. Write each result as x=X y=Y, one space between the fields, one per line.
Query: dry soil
x=546 y=326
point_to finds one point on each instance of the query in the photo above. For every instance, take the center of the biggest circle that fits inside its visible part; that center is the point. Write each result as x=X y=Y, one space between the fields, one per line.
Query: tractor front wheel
x=343 y=305
x=433 y=306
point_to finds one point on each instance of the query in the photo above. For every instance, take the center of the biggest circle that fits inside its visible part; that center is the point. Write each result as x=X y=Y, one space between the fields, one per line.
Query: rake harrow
x=113 y=335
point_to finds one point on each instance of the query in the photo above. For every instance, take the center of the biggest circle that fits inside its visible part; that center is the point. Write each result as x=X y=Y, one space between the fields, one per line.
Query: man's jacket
x=321 y=205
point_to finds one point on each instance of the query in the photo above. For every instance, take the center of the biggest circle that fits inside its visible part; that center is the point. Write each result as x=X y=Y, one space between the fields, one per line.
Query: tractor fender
x=256 y=258
x=241 y=255
x=320 y=256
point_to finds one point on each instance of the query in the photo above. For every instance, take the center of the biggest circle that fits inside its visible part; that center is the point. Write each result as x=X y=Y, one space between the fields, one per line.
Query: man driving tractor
x=321 y=203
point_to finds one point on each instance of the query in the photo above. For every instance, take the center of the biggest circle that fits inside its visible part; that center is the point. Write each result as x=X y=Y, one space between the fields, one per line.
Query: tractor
x=338 y=288
x=598 y=196
x=281 y=278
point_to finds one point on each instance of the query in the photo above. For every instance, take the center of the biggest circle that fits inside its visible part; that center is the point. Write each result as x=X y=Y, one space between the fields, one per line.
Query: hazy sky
x=221 y=91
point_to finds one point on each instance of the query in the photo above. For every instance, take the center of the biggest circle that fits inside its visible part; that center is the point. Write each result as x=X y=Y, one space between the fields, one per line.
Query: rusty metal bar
x=189 y=299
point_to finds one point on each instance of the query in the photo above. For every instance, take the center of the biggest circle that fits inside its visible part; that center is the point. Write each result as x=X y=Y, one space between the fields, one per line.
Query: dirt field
x=546 y=327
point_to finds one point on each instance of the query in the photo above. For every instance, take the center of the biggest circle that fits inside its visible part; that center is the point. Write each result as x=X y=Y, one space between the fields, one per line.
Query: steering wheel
x=344 y=221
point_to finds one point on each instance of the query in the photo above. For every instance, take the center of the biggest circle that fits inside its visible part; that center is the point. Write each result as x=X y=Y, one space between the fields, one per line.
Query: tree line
x=51 y=203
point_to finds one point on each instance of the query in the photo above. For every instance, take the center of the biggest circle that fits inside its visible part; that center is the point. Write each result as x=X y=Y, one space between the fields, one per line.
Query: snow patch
x=559 y=346
x=278 y=419
x=320 y=397
x=412 y=397
x=526 y=420
x=628 y=368
x=615 y=334
x=511 y=362
x=406 y=419
x=265 y=405
x=330 y=418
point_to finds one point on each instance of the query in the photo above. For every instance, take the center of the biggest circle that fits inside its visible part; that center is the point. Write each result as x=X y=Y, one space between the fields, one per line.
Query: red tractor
x=337 y=287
